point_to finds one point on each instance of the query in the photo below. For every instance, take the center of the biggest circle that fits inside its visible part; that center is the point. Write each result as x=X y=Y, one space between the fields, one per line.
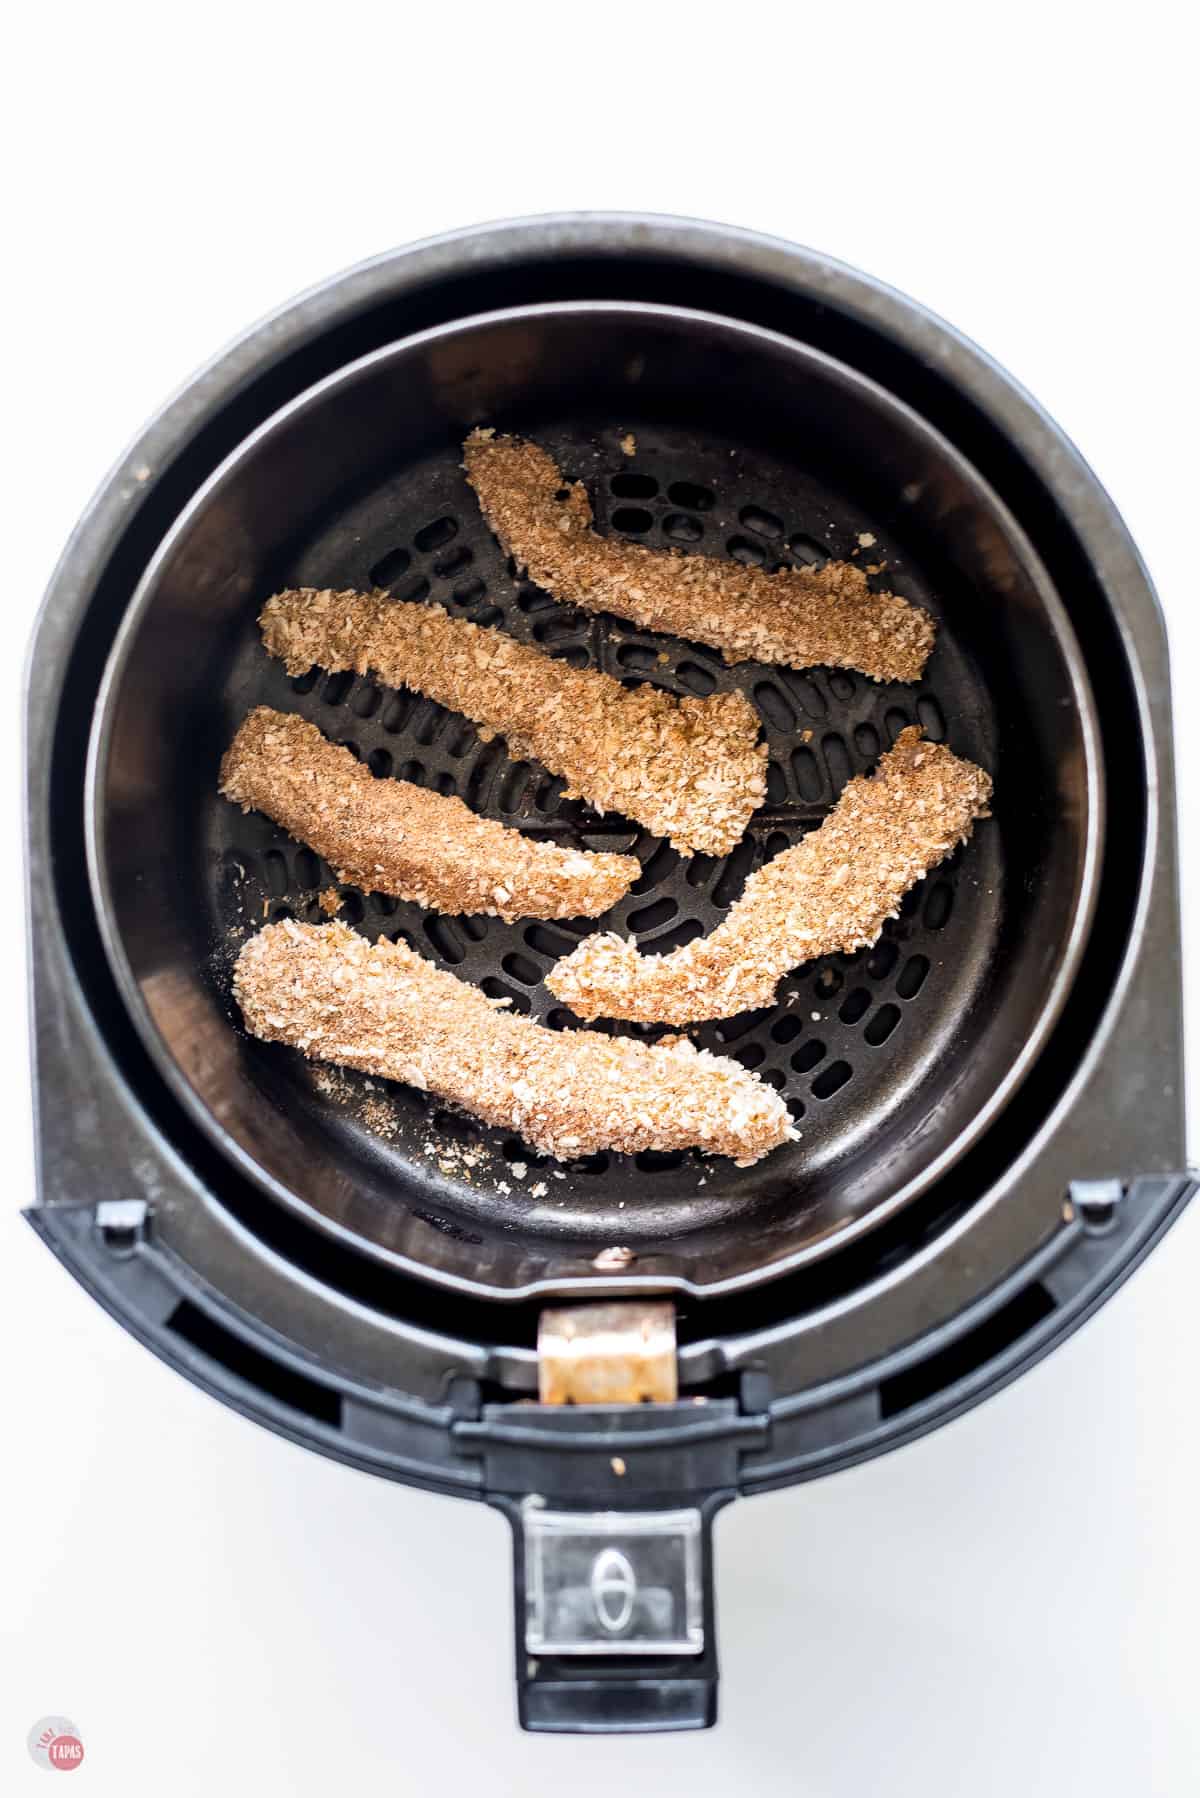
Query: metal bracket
x=608 y=1354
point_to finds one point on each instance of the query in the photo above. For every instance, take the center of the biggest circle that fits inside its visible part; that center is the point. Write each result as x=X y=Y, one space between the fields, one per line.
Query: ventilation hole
x=695 y=679
x=866 y=741
x=380 y=763
x=548 y=795
x=561 y=1019
x=929 y=717
x=787 y=1029
x=806 y=772
x=337 y=687
x=742 y=549
x=352 y=746
x=366 y=699
x=353 y=909
x=459 y=740
x=475 y=928
x=637 y=655
x=894 y=721
x=882 y=959
x=775 y=845
x=482 y=770
x=632 y=518
x=512 y=787
x=678 y=935
x=912 y=976
x=659 y=1161
x=837 y=760
x=808 y=550
x=910 y=902
x=444 y=938
x=304 y=683
x=573 y=654
x=390 y=567
x=733 y=877
x=651 y=916
x=522 y=969
x=882 y=1025
x=751 y=1055
x=532 y=599
x=840 y=684
x=308 y=869
x=469 y=592
x=682 y=528
x=412 y=771
x=828 y=982
x=277 y=872
x=729 y=1029
x=458 y=558
x=498 y=989
x=281 y=913
x=854 y=1005
x=658 y=866
x=554 y=630
x=939 y=905
x=977 y=1348
x=776 y=784
x=548 y=942
x=806 y=692
x=589 y=1164
x=690 y=496
x=486 y=616
x=413 y=591
x=443 y=783
x=513 y=1149
x=774 y=707
x=763 y=524
x=406 y=937
x=831 y=1079
x=284 y=1384
x=633 y=486
x=428 y=722
x=386 y=904
x=435 y=535
x=397 y=710
x=807 y=1057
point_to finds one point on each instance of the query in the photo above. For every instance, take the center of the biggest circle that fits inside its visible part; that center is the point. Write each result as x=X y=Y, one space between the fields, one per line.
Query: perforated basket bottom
x=852 y=1039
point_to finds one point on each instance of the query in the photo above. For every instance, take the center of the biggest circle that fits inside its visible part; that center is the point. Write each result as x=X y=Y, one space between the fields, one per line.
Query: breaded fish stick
x=692 y=770
x=383 y=1009
x=831 y=891
x=799 y=616
x=389 y=836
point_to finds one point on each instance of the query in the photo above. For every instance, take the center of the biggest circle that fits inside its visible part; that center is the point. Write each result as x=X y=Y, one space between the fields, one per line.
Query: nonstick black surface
x=869 y=1050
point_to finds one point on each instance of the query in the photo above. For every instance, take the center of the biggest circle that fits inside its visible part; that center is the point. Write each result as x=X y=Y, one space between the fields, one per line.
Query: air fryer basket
x=992 y=1098
x=746 y=445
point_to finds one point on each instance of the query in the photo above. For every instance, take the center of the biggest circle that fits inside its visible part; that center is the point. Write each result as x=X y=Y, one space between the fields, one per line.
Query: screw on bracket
x=1096 y=1202
x=122 y=1223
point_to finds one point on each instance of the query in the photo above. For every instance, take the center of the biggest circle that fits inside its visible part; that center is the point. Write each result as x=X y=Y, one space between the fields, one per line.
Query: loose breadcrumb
x=831 y=891
x=382 y=1008
x=330 y=902
x=799 y=616
x=629 y=444
x=689 y=769
x=389 y=836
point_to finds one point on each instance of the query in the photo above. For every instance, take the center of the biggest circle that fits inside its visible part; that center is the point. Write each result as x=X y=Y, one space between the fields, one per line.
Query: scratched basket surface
x=851 y=1039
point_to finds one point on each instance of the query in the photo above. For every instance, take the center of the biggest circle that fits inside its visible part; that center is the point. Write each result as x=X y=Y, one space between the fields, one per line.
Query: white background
x=1009 y=1606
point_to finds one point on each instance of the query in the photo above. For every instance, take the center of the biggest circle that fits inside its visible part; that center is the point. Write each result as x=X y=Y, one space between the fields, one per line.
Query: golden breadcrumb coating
x=383 y=1009
x=799 y=616
x=389 y=836
x=830 y=891
x=692 y=770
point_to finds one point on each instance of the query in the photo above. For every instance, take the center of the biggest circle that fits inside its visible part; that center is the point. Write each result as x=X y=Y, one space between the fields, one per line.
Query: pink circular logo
x=55 y=1744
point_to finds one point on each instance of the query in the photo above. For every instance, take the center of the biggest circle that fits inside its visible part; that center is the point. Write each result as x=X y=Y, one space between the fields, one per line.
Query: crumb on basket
x=629 y=444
